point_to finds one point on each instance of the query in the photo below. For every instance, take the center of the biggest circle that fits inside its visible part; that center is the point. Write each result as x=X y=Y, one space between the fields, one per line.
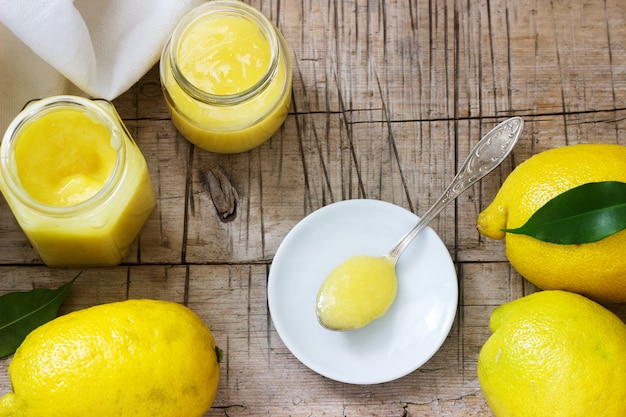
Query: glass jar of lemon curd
x=75 y=181
x=226 y=75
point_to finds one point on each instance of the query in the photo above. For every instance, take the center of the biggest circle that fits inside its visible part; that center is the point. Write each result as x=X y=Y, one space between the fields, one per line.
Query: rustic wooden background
x=388 y=98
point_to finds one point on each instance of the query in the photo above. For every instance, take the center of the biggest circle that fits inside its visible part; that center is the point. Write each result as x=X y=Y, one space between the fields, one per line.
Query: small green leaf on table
x=584 y=214
x=23 y=312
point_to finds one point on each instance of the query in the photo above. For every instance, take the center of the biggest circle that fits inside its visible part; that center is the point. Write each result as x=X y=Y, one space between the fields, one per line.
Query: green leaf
x=23 y=312
x=584 y=214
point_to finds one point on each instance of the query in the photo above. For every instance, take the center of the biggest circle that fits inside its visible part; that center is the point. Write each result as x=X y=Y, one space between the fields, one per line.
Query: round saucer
x=393 y=346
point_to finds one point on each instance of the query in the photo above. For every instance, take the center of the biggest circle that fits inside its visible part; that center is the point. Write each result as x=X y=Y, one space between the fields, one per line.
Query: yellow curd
x=73 y=163
x=226 y=77
x=356 y=292
x=75 y=181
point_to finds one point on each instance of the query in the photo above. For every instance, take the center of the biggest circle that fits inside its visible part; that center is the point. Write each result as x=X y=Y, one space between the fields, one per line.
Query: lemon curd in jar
x=75 y=181
x=226 y=76
x=73 y=163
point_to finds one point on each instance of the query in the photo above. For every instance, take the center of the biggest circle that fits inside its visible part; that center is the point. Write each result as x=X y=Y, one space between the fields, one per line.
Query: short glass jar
x=226 y=75
x=75 y=181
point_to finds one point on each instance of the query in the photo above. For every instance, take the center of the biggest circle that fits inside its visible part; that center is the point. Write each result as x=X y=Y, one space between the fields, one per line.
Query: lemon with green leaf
x=139 y=358
x=561 y=252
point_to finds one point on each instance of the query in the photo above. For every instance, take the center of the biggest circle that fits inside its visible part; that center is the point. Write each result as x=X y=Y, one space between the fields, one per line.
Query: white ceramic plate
x=391 y=347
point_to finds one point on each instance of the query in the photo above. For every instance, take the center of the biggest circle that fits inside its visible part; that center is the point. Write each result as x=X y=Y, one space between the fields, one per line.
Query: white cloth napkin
x=97 y=48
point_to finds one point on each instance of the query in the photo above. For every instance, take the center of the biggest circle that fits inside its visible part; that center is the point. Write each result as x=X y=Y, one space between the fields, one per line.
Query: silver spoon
x=488 y=153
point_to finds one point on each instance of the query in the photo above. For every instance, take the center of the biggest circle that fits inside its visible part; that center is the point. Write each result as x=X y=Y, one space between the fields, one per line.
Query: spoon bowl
x=345 y=299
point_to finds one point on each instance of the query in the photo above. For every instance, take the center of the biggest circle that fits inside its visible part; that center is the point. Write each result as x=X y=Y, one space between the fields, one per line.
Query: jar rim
x=100 y=110
x=220 y=8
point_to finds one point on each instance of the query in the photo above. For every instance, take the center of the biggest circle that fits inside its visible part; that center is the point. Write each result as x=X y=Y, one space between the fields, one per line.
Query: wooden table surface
x=388 y=98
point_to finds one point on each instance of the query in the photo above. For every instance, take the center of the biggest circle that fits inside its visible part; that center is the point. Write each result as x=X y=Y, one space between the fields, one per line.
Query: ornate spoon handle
x=488 y=153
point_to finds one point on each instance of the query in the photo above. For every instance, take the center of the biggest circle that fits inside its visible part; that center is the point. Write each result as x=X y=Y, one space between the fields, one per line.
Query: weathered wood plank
x=388 y=99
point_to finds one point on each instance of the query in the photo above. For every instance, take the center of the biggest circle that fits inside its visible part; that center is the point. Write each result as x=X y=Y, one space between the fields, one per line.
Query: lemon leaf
x=584 y=214
x=23 y=312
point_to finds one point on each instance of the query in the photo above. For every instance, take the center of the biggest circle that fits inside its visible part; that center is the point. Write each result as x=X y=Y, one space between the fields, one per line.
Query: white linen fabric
x=96 y=48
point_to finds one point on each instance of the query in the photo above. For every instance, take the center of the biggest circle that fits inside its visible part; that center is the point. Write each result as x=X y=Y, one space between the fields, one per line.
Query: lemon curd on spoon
x=356 y=292
x=363 y=288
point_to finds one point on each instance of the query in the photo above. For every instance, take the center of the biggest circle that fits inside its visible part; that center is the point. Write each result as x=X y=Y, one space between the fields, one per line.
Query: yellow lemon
x=554 y=354
x=596 y=270
x=140 y=358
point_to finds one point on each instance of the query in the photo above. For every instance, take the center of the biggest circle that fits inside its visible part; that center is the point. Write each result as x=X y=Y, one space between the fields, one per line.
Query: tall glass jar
x=75 y=181
x=226 y=75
